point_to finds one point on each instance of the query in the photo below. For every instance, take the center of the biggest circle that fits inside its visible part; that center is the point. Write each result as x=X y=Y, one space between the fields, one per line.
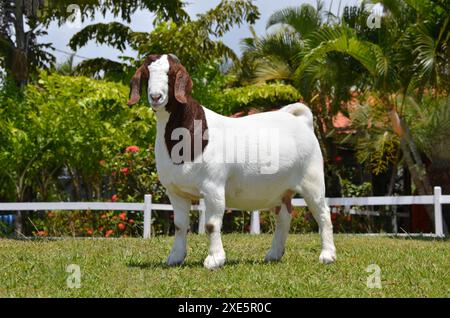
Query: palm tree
x=273 y=57
x=407 y=57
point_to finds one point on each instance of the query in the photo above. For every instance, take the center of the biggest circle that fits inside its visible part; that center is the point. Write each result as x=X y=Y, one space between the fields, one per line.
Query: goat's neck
x=162 y=117
x=181 y=116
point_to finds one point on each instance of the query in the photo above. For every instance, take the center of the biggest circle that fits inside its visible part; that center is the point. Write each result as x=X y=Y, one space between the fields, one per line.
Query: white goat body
x=245 y=186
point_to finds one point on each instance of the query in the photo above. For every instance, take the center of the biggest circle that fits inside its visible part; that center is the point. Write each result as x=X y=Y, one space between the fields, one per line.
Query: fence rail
x=437 y=199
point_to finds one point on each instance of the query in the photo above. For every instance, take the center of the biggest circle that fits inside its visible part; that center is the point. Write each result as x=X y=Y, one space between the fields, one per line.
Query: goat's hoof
x=274 y=256
x=175 y=258
x=327 y=257
x=214 y=261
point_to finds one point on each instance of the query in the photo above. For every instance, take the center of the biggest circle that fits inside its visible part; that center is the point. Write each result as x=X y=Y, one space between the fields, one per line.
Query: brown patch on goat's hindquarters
x=287 y=201
x=209 y=228
x=277 y=209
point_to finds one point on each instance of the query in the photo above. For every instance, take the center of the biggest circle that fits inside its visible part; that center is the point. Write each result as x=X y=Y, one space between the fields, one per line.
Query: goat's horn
x=174 y=57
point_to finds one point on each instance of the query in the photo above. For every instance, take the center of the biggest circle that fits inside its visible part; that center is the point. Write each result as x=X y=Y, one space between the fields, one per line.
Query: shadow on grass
x=191 y=264
x=420 y=238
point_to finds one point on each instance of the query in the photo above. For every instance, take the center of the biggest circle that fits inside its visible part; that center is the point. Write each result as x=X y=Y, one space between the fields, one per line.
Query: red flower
x=114 y=198
x=42 y=233
x=103 y=216
x=108 y=233
x=121 y=226
x=100 y=228
x=132 y=149
x=131 y=221
x=338 y=158
x=123 y=216
x=90 y=232
x=125 y=170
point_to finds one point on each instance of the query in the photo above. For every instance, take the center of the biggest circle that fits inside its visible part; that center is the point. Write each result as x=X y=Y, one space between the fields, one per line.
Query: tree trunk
x=412 y=157
x=20 y=59
x=18 y=224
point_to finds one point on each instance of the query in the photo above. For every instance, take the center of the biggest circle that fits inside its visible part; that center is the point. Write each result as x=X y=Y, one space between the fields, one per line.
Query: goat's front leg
x=215 y=208
x=181 y=208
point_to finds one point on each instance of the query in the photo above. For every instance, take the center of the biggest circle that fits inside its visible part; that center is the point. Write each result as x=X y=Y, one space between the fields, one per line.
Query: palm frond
x=303 y=19
x=342 y=40
x=272 y=68
x=104 y=68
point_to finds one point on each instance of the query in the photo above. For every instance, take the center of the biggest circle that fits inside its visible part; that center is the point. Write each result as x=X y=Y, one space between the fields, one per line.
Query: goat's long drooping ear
x=135 y=84
x=183 y=85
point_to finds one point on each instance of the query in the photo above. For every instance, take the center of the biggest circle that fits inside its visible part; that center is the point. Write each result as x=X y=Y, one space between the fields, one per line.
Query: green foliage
x=302 y=221
x=133 y=174
x=6 y=230
x=227 y=14
x=88 y=224
x=274 y=56
x=106 y=69
x=208 y=85
x=430 y=127
x=261 y=96
x=67 y=123
x=212 y=89
x=349 y=189
x=191 y=44
x=191 y=41
x=303 y=19
x=376 y=143
x=270 y=58
x=123 y=9
x=21 y=22
x=114 y=34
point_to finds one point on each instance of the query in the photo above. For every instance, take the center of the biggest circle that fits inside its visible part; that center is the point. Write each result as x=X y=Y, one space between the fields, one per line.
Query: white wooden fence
x=147 y=207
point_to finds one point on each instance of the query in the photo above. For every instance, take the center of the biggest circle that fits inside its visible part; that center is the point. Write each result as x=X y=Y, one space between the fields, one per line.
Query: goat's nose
x=155 y=97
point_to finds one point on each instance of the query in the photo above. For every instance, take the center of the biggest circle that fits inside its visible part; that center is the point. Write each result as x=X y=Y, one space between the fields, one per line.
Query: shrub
x=65 y=125
x=88 y=224
x=262 y=96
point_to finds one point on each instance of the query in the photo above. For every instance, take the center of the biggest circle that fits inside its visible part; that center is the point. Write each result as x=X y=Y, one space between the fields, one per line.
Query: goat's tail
x=300 y=110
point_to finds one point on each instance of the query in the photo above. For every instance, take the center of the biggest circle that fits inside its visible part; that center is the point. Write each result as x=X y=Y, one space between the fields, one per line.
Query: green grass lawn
x=136 y=268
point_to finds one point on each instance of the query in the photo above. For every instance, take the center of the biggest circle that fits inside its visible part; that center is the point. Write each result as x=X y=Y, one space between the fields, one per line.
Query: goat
x=224 y=183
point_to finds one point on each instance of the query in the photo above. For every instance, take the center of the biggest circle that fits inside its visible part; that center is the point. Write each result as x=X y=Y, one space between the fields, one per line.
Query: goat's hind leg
x=181 y=208
x=314 y=196
x=282 y=225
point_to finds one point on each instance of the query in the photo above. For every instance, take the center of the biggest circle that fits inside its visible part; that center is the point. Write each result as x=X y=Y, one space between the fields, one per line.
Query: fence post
x=438 y=226
x=147 y=216
x=201 y=217
x=254 y=223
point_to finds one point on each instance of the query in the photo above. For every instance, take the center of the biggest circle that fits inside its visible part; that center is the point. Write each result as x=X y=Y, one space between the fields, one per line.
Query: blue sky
x=142 y=21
